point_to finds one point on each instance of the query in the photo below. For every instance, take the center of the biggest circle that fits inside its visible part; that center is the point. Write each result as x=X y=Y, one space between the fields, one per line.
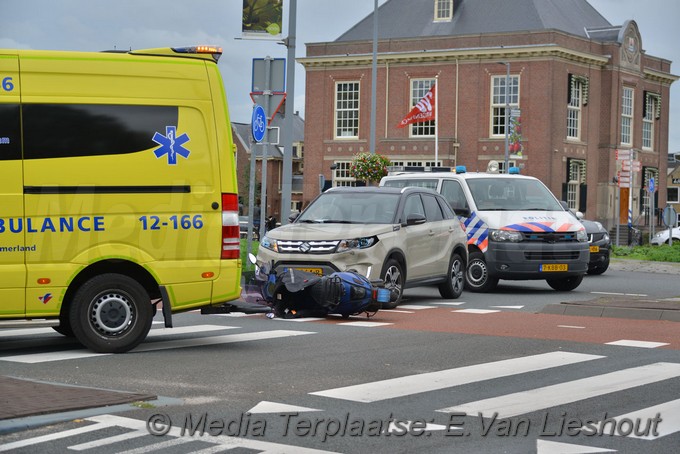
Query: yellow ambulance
x=118 y=190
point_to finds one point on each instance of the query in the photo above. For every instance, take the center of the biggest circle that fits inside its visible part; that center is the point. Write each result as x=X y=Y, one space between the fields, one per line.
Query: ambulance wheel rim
x=477 y=272
x=112 y=313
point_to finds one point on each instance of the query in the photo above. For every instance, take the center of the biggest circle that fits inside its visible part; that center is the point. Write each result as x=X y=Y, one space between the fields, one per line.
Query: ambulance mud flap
x=167 y=307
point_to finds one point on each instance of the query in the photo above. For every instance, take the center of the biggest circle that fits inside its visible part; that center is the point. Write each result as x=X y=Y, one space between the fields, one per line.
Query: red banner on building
x=424 y=110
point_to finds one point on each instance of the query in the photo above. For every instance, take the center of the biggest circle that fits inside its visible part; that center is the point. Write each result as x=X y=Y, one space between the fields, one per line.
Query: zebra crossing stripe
x=109 y=440
x=563 y=393
x=33 y=358
x=432 y=381
x=670 y=419
x=49 y=437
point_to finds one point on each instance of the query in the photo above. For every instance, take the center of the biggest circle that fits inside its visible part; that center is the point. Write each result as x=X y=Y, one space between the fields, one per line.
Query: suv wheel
x=393 y=277
x=477 y=277
x=452 y=288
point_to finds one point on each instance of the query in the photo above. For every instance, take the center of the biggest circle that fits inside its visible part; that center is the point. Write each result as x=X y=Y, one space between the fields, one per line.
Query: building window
x=673 y=195
x=416 y=163
x=501 y=97
x=443 y=10
x=576 y=180
x=419 y=88
x=501 y=165
x=341 y=175
x=574 y=108
x=627 y=117
x=347 y=110
x=649 y=114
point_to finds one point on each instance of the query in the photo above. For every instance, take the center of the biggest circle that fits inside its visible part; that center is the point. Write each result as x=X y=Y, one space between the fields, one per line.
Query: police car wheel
x=477 y=277
x=393 y=277
x=452 y=288
x=111 y=313
x=565 y=284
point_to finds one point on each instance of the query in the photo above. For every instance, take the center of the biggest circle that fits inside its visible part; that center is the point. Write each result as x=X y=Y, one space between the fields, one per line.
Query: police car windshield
x=351 y=208
x=512 y=194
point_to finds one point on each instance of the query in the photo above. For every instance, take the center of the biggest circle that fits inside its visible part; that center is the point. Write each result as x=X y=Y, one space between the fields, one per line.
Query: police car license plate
x=554 y=267
x=594 y=248
x=318 y=271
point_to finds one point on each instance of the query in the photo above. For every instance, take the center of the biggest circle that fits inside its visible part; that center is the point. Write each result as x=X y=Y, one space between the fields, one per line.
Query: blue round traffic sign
x=258 y=123
x=651 y=185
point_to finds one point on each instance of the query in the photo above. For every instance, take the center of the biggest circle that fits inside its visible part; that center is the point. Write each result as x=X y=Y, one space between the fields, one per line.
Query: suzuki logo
x=305 y=247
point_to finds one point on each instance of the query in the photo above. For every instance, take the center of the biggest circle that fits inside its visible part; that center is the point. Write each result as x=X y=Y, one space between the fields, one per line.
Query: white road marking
x=365 y=324
x=414 y=307
x=275 y=407
x=33 y=358
x=636 y=343
x=474 y=311
x=508 y=307
x=563 y=393
x=554 y=447
x=669 y=412
x=420 y=383
x=571 y=326
x=451 y=304
x=619 y=294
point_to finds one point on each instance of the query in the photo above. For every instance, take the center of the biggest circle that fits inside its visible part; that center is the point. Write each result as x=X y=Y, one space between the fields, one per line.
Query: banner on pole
x=424 y=110
x=262 y=19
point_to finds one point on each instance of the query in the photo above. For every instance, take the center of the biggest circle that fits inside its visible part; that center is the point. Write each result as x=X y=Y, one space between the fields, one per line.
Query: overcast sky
x=95 y=25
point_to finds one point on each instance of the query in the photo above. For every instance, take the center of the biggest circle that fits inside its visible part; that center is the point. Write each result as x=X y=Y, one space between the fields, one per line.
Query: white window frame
x=498 y=103
x=577 y=177
x=341 y=175
x=443 y=10
x=648 y=123
x=419 y=88
x=501 y=165
x=574 y=110
x=627 y=106
x=346 y=109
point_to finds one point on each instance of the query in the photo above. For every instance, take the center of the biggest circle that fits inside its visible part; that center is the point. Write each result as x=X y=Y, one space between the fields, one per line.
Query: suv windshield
x=509 y=194
x=352 y=208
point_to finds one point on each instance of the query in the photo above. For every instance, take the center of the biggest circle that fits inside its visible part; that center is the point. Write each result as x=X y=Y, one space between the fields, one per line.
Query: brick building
x=579 y=88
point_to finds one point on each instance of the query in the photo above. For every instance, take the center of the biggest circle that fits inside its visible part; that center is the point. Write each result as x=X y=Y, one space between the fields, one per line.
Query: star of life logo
x=171 y=145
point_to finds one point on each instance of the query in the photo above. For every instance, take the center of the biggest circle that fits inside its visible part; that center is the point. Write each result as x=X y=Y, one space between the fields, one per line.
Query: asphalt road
x=427 y=377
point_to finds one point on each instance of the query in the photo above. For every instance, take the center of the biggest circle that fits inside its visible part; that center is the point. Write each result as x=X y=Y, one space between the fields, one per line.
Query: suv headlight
x=511 y=236
x=356 y=243
x=269 y=243
x=582 y=236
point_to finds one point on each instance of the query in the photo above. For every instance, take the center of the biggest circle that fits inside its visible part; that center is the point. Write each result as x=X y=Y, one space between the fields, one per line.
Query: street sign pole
x=652 y=216
x=287 y=176
x=630 y=201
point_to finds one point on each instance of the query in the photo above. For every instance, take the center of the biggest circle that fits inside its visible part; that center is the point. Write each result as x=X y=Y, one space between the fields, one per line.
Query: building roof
x=414 y=18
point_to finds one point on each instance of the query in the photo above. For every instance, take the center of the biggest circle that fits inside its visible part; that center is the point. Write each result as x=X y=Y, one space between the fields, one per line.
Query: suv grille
x=307 y=247
x=550 y=237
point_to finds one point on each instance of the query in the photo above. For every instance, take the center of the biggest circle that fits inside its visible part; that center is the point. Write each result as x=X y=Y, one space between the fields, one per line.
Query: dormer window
x=443 y=10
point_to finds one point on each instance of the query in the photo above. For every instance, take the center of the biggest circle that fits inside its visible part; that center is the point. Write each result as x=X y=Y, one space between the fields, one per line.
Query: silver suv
x=407 y=237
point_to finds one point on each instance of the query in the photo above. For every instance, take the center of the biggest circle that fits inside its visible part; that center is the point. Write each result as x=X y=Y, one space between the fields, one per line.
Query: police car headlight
x=582 y=236
x=511 y=236
x=356 y=243
x=269 y=243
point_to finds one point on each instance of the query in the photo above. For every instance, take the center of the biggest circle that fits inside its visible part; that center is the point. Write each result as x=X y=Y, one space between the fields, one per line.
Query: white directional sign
x=622 y=155
x=635 y=166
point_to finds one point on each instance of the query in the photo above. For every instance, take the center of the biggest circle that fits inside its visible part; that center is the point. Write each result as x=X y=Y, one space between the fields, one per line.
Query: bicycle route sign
x=258 y=123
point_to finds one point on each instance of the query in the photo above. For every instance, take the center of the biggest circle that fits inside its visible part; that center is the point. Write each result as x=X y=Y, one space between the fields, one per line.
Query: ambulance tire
x=477 y=277
x=452 y=288
x=565 y=284
x=111 y=313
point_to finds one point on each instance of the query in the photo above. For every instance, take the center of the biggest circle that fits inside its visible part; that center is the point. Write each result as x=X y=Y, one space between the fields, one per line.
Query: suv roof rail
x=402 y=169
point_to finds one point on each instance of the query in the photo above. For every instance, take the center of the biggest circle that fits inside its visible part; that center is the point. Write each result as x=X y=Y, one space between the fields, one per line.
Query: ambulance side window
x=10 y=132
x=68 y=130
